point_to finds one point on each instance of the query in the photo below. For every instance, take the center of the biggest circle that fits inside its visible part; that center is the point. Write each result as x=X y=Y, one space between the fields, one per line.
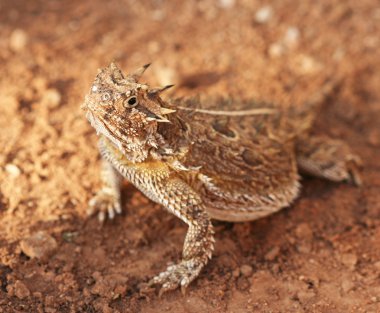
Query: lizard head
x=126 y=111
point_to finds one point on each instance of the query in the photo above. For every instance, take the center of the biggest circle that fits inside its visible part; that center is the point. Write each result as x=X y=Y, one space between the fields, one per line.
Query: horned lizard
x=236 y=164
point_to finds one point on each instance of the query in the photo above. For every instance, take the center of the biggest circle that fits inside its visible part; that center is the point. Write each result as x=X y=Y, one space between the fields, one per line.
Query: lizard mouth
x=101 y=128
x=95 y=123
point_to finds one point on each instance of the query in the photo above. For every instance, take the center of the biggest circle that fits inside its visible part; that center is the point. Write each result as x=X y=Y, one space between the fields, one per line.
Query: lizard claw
x=178 y=275
x=104 y=204
x=353 y=164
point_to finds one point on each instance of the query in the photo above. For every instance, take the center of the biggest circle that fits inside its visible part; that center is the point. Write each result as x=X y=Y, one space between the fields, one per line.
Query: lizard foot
x=353 y=164
x=104 y=203
x=181 y=274
x=346 y=169
x=328 y=158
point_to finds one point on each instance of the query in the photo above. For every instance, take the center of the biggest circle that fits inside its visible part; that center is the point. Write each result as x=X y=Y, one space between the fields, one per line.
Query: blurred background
x=320 y=255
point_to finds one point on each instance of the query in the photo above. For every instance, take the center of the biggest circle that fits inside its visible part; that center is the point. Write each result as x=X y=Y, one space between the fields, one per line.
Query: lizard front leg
x=160 y=184
x=181 y=200
x=107 y=200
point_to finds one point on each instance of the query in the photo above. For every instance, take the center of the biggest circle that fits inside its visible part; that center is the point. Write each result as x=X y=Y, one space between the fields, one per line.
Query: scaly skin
x=160 y=183
x=200 y=164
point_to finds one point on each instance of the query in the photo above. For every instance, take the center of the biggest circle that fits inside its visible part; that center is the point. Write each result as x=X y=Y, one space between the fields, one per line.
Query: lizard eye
x=130 y=102
x=106 y=96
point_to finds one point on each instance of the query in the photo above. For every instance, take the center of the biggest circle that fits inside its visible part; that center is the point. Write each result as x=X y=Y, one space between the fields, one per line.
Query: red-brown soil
x=322 y=254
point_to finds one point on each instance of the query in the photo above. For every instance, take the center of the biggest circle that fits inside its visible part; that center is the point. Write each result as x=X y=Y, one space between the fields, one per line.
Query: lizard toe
x=353 y=165
x=177 y=275
x=105 y=205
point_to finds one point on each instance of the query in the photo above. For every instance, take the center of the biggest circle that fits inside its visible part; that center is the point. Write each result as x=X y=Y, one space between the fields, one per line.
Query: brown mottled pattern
x=201 y=165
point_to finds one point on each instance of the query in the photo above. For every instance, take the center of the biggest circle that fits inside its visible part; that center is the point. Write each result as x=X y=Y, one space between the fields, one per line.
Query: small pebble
x=20 y=290
x=236 y=273
x=377 y=265
x=242 y=283
x=37 y=294
x=303 y=231
x=304 y=247
x=18 y=40
x=226 y=4
x=49 y=301
x=39 y=245
x=292 y=36
x=374 y=137
x=349 y=259
x=51 y=98
x=276 y=49
x=308 y=65
x=40 y=83
x=276 y=268
x=264 y=14
x=246 y=270
x=347 y=285
x=12 y=170
x=272 y=253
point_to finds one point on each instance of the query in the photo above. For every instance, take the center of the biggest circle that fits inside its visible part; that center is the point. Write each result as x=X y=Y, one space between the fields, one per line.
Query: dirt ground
x=322 y=254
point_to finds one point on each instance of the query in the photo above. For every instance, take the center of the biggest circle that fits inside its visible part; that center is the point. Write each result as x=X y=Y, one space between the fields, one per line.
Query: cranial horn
x=163 y=120
x=158 y=119
x=166 y=111
x=117 y=74
x=136 y=75
x=160 y=89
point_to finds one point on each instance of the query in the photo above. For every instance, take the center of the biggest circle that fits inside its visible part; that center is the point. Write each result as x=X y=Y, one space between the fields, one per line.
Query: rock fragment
x=292 y=36
x=226 y=4
x=350 y=260
x=347 y=284
x=12 y=170
x=18 y=40
x=51 y=98
x=272 y=253
x=264 y=14
x=39 y=245
x=111 y=285
x=246 y=270
x=303 y=231
x=20 y=290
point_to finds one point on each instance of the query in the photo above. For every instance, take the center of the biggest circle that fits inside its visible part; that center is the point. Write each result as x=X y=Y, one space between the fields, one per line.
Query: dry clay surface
x=322 y=254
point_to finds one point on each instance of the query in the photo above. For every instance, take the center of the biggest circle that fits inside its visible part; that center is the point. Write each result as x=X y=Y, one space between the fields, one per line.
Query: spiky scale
x=230 y=165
